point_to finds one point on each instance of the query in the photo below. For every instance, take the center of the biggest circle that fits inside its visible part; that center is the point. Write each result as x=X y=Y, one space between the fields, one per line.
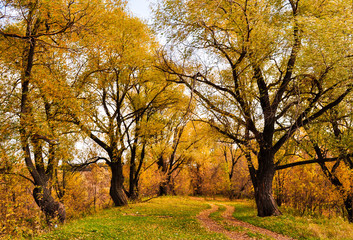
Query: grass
x=175 y=218
x=255 y=235
x=161 y=218
x=217 y=216
x=297 y=227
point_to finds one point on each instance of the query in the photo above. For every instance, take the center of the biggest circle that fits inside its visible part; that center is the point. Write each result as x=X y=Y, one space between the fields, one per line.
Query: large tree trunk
x=265 y=202
x=41 y=192
x=51 y=208
x=117 y=192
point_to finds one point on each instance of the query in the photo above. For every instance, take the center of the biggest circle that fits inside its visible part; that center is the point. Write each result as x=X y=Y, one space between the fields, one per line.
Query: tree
x=150 y=105
x=117 y=89
x=328 y=140
x=169 y=146
x=168 y=159
x=262 y=67
x=28 y=30
x=232 y=155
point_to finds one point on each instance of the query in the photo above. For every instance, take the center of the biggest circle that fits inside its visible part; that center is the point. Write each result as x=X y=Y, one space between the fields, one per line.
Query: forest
x=244 y=99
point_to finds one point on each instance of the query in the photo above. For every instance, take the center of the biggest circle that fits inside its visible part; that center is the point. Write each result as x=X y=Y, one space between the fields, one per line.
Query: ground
x=196 y=218
x=242 y=231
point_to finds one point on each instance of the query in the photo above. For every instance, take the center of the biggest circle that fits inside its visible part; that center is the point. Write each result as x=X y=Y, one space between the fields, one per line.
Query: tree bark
x=51 y=208
x=163 y=189
x=163 y=186
x=265 y=202
x=348 y=204
x=41 y=193
x=117 y=192
x=133 y=193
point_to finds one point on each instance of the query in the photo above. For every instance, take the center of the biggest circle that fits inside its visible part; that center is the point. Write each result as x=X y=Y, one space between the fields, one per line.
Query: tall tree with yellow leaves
x=329 y=140
x=262 y=67
x=28 y=30
x=117 y=88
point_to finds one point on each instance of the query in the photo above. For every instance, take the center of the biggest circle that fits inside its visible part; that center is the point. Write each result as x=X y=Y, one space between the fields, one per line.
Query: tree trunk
x=117 y=192
x=132 y=183
x=163 y=189
x=279 y=190
x=133 y=190
x=198 y=181
x=133 y=194
x=265 y=202
x=348 y=204
x=163 y=186
x=51 y=208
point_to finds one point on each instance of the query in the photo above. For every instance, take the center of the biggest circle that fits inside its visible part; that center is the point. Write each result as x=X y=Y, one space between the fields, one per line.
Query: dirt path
x=227 y=215
x=212 y=225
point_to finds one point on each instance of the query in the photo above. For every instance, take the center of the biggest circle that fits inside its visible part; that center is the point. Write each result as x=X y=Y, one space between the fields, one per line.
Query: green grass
x=297 y=227
x=160 y=218
x=255 y=235
x=217 y=216
x=175 y=218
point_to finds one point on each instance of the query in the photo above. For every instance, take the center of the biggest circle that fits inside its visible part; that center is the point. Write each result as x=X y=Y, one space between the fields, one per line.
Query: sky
x=141 y=8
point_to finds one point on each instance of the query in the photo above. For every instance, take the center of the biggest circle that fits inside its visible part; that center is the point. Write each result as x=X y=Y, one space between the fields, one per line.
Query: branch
x=291 y=61
x=289 y=165
x=224 y=132
x=82 y=166
x=18 y=174
x=301 y=122
x=263 y=91
x=105 y=146
x=50 y=141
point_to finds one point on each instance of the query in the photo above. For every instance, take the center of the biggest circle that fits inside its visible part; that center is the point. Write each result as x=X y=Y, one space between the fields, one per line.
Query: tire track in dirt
x=227 y=215
x=213 y=226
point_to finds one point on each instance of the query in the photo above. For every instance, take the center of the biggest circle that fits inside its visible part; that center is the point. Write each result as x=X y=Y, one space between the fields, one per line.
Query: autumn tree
x=117 y=90
x=28 y=30
x=328 y=141
x=173 y=154
x=232 y=156
x=263 y=67
x=175 y=139
x=150 y=104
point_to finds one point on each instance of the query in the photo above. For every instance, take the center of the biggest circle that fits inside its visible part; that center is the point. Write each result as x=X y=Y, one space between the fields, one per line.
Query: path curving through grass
x=227 y=215
x=212 y=225
x=220 y=220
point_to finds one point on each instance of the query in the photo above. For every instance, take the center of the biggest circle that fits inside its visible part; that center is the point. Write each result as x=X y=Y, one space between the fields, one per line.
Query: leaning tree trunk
x=117 y=192
x=51 y=208
x=265 y=202
x=41 y=192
